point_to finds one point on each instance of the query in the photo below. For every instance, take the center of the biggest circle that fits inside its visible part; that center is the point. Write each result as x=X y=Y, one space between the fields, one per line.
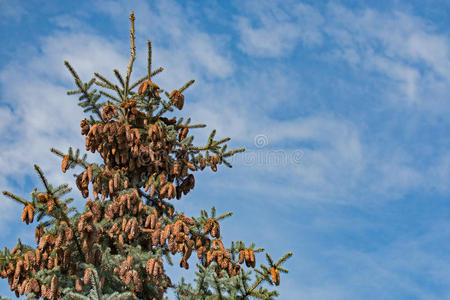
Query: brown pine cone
x=202 y=163
x=27 y=213
x=247 y=256
x=87 y=276
x=200 y=251
x=213 y=163
x=149 y=266
x=208 y=226
x=121 y=241
x=65 y=163
x=108 y=112
x=183 y=134
x=89 y=172
x=156 y=237
x=215 y=230
x=54 y=286
x=252 y=258
x=177 y=99
x=148 y=85
x=42 y=198
x=241 y=256
x=176 y=169
x=78 y=285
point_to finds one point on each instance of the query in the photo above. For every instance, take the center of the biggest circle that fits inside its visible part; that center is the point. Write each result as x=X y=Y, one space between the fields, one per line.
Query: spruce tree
x=117 y=247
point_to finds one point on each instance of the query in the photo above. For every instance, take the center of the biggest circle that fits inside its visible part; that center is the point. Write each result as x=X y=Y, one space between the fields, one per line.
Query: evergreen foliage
x=116 y=248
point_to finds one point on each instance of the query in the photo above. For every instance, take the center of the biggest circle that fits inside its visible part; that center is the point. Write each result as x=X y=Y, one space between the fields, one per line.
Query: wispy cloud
x=413 y=54
x=363 y=159
x=274 y=29
x=410 y=52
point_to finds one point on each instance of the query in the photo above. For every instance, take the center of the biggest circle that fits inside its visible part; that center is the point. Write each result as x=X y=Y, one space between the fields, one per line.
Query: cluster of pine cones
x=138 y=152
x=146 y=153
x=52 y=252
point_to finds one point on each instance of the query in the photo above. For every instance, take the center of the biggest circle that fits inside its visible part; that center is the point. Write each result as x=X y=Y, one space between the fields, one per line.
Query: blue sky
x=342 y=106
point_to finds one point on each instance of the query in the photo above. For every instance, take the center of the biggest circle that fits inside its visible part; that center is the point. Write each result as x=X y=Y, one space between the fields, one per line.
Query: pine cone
x=78 y=285
x=176 y=169
x=202 y=163
x=183 y=134
x=184 y=263
x=87 y=276
x=149 y=267
x=274 y=275
x=247 y=257
x=252 y=258
x=213 y=163
x=108 y=112
x=241 y=256
x=177 y=99
x=65 y=163
x=152 y=221
x=42 y=198
x=156 y=236
x=89 y=172
x=28 y=214
x=121 y=241
x=215 y=230
x=147 y=85
x=208 y=226
x=54 y=286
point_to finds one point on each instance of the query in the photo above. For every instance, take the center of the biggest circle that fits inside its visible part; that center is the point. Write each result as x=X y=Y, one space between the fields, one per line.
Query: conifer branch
x=121 y=95
x=266 y=274
x=201 y=280
x=43 y=179
x=191 y=126
x=73 y=92
x=71 y=158
x=110 y=96
x=133 y=54
x=188 y=84
x=228 y=214
x=119 y=77
x=90 y=97
x=15 y=197
x=106 y=83
x=166 y=107
x=149 y=60
x=64 y=188
x=232 y=152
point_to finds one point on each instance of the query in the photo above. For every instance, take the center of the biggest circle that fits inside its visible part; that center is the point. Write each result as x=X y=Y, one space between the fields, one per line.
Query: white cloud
x=274 y=39
x=404 y=48
x=87 y=53
x=278 y=29
x=410 y=52
x=404 y=76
